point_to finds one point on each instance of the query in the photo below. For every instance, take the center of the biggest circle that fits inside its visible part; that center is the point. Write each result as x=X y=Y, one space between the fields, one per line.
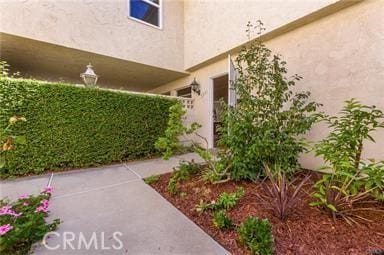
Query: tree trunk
x=358 y=155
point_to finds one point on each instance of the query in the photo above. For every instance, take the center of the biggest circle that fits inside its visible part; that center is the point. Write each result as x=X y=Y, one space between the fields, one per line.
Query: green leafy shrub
x=71 y=126
x=23 y=222
x=267 y=124
x=350 y=179
x=181 y=173
x=152 y=179
x=256 y=234
x=229 y=200
x=373 y=180
x=222 y=220
x=217 y=165
x=203 y=206
x=224 y=201
x=169 y=143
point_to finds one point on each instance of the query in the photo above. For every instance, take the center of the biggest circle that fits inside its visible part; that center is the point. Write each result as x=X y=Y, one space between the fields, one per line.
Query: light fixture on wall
x=89 y=77
x=195 y=86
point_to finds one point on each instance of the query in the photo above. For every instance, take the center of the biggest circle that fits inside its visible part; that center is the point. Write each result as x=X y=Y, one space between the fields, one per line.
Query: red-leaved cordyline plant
x=282 y=195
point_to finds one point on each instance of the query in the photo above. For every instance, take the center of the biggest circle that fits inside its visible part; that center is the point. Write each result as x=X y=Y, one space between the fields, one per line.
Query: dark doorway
x=220 y=93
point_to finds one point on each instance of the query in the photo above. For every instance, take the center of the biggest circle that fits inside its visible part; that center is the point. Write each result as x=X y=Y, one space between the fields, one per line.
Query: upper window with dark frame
x=146 y=11
x=185 y=92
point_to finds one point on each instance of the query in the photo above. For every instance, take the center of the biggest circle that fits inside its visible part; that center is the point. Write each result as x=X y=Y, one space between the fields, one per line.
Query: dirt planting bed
x=306 y=231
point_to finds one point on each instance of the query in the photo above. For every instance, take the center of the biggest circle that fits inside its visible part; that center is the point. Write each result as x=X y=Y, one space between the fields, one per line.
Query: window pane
x=155 y=1
x=186 y=92
x=145 y=12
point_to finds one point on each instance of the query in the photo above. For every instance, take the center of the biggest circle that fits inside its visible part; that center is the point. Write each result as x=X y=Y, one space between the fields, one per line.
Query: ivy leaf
x=20 y=140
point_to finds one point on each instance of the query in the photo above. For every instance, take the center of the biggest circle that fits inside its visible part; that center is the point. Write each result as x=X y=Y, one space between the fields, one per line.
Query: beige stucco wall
x=340 y=56
x=101 y=27
x=215 y=26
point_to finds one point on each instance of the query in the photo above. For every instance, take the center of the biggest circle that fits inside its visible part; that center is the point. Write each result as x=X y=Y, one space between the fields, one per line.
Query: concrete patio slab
x=30 y=185
x=157 y=166
x=92 y=178
x=101 y=207
x=147 y=222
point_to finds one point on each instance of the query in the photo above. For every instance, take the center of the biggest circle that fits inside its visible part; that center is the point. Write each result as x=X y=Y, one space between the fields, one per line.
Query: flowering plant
x=23 y=222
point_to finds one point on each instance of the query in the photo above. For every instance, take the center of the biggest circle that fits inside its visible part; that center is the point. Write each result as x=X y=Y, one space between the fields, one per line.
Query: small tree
x=266 y=124
x=351 y=179
x=349 y=131
x=169 y=143
x=216 y=164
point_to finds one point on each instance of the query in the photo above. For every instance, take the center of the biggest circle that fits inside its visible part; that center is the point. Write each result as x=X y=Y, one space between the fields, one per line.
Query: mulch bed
x=306 y=231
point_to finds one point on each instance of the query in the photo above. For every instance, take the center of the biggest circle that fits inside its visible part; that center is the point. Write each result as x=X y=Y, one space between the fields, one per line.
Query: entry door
x=232 y=76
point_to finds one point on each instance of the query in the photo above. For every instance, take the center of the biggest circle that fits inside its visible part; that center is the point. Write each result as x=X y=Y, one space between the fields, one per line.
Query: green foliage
x=4 y=68
x=152 y=179
x=374 y=178
x=256 y=234
x=217 y=166
x=268 y=122
x=203 y=206
x=25 y=220
x=229 y=200
x=222 y=220
x=169 y=143
x=7 y=140
x=350 y=179
x=72 y=126
x=181 y=173
x=224 y=201
x=349 y=131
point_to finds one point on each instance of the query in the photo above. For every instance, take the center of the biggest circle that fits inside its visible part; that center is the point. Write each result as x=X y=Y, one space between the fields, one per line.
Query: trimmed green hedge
x=70 y=126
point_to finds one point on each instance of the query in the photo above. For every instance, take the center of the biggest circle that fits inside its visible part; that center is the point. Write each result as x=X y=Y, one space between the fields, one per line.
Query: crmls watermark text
x=80 y=241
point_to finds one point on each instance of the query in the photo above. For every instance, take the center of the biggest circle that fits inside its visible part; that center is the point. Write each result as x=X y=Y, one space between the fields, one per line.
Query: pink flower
x=47 y=190
x=23 y=196
x=41 y=209
x=4 y=229
x=25 y=203
x=7 y=210
x=45 y=203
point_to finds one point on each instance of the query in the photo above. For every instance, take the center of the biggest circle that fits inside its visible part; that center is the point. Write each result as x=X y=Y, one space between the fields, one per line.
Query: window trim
x=159 y=6
x=178 y=89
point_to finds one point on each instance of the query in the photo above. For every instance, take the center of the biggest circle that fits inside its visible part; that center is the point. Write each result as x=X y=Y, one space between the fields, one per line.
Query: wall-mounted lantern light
x=195 y=86
x=89 y=76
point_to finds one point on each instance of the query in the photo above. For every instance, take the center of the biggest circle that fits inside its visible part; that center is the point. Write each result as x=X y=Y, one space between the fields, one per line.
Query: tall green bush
x=71 y=126
x=350 y=179
x=268 y=122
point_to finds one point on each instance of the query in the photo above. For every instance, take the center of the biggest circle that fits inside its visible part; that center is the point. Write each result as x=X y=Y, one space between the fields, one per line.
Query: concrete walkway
x=111 y=210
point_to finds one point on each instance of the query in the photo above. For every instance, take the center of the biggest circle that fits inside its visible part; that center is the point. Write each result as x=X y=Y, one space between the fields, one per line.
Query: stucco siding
x=101 y=27
x=340 y=56
x=215 y=26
